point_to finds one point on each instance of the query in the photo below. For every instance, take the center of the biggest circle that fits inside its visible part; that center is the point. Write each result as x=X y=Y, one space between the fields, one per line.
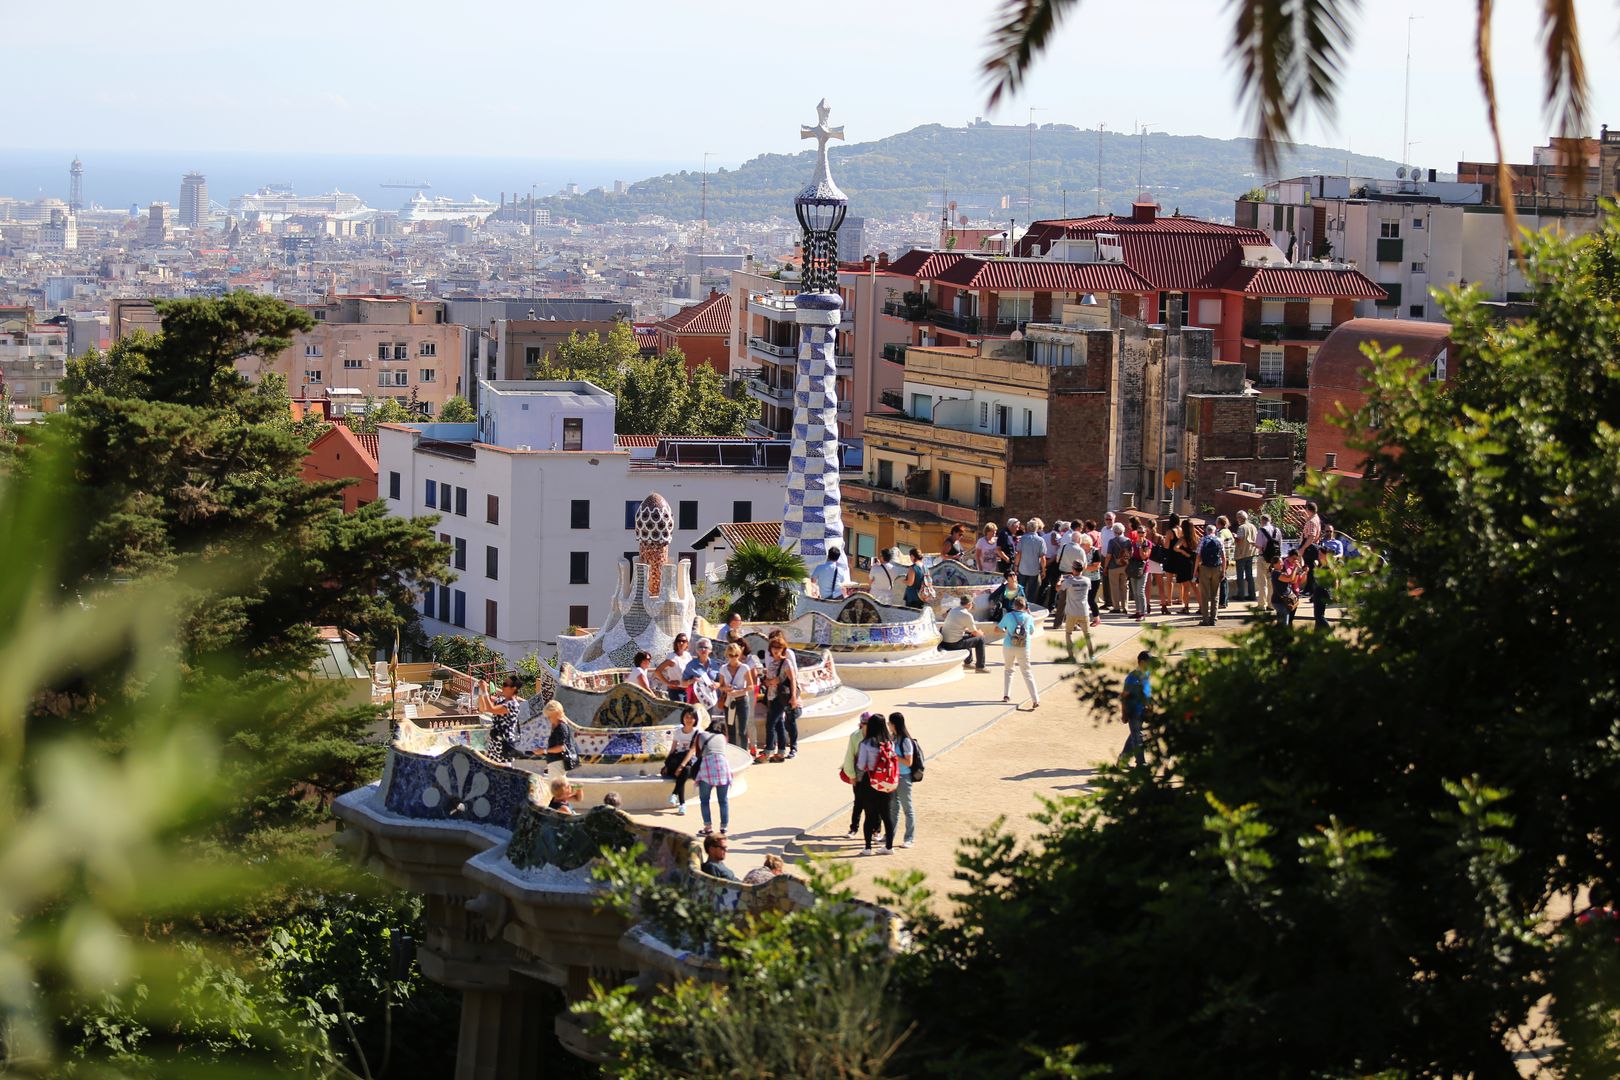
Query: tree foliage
x=1356 y=852
x=457 y=411
x=760 y=580
x=655 y=395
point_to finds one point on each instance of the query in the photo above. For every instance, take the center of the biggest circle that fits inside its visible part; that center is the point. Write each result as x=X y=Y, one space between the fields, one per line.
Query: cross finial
x=821 y=132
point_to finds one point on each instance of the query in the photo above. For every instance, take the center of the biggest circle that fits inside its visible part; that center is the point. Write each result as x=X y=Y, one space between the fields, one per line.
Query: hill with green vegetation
x=977 y=167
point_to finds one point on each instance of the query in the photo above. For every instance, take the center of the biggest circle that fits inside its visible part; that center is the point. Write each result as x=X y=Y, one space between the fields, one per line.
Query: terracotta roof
x=1043 y=274
x=363 y=445
x=735 y=532
x=646 y=337
x=1340 y=364
x=370 y=445
x=711 y=316
x=622 y=441
x=1044 y=232
x=626 y=441
x=1281 y=281
x=924 y=264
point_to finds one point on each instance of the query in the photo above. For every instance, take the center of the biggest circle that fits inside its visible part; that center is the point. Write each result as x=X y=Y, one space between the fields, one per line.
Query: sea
x=117 y=179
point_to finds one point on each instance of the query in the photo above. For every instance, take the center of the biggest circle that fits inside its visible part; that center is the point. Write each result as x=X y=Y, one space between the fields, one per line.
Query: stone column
x=812 y=519
x=502 y=1033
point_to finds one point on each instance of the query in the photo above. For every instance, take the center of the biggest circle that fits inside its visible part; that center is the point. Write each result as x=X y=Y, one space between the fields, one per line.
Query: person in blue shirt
x=1019 y=626
x=830 y=577
x=1134 y=703
x=702 y=674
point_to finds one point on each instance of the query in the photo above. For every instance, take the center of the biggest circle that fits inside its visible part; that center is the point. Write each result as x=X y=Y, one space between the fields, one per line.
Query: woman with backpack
x=708 y=749
x=877 y=777
x=911 y=771
x=1019 y=626
x=919 y=586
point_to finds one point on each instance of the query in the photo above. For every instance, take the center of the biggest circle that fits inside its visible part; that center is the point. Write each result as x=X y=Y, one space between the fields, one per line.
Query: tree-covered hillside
x=977 y=167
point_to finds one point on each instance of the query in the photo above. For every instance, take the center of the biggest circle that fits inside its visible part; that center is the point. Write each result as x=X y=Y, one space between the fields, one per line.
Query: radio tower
x=76 y=186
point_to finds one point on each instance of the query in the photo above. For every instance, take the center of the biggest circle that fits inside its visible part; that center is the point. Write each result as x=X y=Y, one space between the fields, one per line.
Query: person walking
x=1269 y=541
x=713 y=774
x=918 y=583
x=679 y=765
x=987 y=553
x=1243 y=552
x=1031 y=560
x=1001 y=599
x=1211 y=572
x=905 y=748
x=1019 y=627
x=782 y=699
x=736 y=689
x=877 y=778
x=1133 y=706
x=1075 y=588
x=960 y=631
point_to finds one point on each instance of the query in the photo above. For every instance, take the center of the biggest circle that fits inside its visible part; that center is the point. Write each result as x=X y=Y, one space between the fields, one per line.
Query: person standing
x=877 y=778
x=1269 y=540
x=1075 y=588
x=1019 y=627
x=1319 y=570
x=954 y=547
x=1133 y=705
x=830 y=578
x=916 y=580
x=905 y=748
x=736 y=681
x=1211 y=572
x=1118 y=559
x=1244 y=551
x=1054 y=542
x=1031 y=560
x=1286 y=578
x=987 y=553
x=1311 y=531
x=702 y=675
x=556 y=739
x=782 y=699
x=1187 y=564
x=884 y=577
x=713 y=774
x=1223 y=529
x=1007 y=540
x=1067 y=554
x=508 y=715
x=960 y=631
x=1140 y=551
x=847 y=772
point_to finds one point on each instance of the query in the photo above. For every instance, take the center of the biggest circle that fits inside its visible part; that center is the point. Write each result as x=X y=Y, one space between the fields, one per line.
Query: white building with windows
x=537 y=499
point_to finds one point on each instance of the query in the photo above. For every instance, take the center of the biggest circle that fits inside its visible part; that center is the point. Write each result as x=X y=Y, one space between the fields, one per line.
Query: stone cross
x=821 y=133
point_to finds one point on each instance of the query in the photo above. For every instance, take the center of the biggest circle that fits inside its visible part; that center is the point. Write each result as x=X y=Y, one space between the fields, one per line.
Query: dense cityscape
x=1005 y=599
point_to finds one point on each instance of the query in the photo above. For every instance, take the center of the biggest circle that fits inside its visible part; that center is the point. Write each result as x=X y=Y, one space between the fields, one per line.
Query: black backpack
x=916 y=762
x=1272 y=552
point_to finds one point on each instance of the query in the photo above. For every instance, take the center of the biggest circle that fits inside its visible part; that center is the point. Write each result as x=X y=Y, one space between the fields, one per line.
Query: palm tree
x=1291 y=54
x=759 y=577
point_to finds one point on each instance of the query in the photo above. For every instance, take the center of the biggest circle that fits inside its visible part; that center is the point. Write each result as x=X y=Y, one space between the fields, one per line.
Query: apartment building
x=701 y=331
x=537 y=502
x=33 y=362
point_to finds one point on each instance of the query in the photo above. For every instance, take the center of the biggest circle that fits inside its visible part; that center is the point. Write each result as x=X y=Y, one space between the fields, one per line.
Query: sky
x=650 y=80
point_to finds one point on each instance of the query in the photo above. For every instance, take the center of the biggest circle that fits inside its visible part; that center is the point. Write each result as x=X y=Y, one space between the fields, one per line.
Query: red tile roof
x=1288 y=281
x=711 y=316
x=924 y=264
x=761 y=532
x=624 y=441
x=369 y=444
x=1043 y=275
x=646 y=337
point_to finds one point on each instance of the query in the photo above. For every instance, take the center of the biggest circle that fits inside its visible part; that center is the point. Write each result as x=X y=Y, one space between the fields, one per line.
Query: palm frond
x=1290 y=57
x=1023 y=30
x=1568 y=93
x=1487 y=82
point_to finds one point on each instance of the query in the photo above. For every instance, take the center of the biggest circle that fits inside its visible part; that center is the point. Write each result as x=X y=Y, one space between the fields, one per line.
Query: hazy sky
x=651 y=79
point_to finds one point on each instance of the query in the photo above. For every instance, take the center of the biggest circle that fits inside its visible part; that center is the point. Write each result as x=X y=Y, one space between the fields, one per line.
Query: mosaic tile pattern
x=457 y=783
x=812 y=514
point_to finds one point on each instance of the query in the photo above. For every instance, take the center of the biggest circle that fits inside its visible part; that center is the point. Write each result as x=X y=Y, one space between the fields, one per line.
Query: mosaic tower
x=812 y=519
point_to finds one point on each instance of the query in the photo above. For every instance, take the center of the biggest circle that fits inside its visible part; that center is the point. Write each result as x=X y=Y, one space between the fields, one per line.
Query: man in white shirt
x=960 y=631
x=830 y=578
x=1243 y=552
x=885 y=577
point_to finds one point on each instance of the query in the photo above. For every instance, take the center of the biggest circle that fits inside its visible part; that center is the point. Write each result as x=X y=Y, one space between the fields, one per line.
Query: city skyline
x=233 y=93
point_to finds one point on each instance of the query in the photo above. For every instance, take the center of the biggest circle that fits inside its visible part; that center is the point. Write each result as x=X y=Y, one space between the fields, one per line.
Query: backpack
x=1019 y=635
x=1272 y=552
x=916 y=762
x=1210 y=551
x=884 y=775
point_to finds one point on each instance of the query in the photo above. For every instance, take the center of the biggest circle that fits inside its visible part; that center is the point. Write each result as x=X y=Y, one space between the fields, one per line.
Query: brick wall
x=1073 y=479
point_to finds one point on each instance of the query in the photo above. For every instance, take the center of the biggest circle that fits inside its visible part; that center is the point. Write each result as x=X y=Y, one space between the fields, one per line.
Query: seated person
x=714 y=858
x=960 y=631
x=562 y=795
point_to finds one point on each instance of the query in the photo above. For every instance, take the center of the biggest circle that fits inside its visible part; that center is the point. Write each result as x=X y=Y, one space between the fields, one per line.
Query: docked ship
x=443 y=208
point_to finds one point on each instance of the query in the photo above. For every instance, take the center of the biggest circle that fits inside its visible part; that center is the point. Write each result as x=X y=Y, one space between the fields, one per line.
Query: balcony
x=844 y=362
x=894 y=399
x=779 y=308
x=962 y=324
x=780 y=352
x=901 y=310
x=758 y=430
x=894 y=353
x=1273 y=332
x=764 y=391
x=846 y=411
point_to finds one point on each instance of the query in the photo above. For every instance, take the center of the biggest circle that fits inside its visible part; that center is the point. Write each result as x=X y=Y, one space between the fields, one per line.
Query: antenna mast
x=703 y=237
x=1101 y=127
x=1406 y=109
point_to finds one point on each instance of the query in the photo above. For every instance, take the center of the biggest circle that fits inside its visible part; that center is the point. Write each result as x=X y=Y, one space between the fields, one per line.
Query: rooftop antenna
x=703 y=237
x=1141 y=142
x=1101 y=127
x=1406 y=110
x=1029 y=163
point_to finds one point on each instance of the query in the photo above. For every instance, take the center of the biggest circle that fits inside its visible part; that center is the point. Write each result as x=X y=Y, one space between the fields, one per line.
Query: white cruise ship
x=443 y=208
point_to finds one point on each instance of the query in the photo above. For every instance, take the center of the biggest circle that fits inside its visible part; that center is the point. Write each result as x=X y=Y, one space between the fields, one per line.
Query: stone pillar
x=812 y=518
x=502 y=1033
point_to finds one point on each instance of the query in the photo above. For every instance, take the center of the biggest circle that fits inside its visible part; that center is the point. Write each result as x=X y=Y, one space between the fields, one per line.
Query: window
x=401 y=351
x=885 y=474
x=1389 y=230
x=492 y=509
x=688 y=514
x=393 y=485
x=1015 y=309
x=445 y=495
x=573 y=433
x=922 y=407
x=742 y=510
x=579 y=615
x=428 y=348
x=984 y=414
x=428 y=374
x=1393 y=288
x=312 y=375
x=492 y=563
x=444 y=603
x=1029 y=421
x=1417 y=222
x=984 y=493
x=427 y=602
x=579 y=568
x=1165 y=299
x=1417 y=268
x=432 y=493
x=461 y=502
x=349 y=362
x=384 y=351
x=1271 y=367
x=1415 y=311
x=532 y=355
x=489 y=619
x=1001 y=420
x=944 y=487
x=461 y=608
x=393 y=378
x=312 y=350
x=630 y=506
x=461 y=552
x=579 y=514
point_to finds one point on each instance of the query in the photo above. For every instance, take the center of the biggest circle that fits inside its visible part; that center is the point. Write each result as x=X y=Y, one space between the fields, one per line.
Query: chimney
x=713 y=293
x=866 y=261
x=1231 y=479
x=883 y=260
x=1130 y=500
x=1144 y=211
x=1433 y=174
x=1271 y=487
x=1332 y=461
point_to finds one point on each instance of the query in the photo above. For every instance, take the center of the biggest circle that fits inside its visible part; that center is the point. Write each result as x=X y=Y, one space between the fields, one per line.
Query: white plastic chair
x=436 y=692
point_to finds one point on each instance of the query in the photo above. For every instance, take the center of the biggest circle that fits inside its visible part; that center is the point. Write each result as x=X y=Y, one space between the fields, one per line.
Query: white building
x=537 y=500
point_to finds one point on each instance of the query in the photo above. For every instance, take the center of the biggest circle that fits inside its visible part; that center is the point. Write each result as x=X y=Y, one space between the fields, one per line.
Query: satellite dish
x=1172 y=479
x=1400 y=173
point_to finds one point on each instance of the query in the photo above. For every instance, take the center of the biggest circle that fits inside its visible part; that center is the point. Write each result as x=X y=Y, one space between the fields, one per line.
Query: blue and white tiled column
x=812 y=519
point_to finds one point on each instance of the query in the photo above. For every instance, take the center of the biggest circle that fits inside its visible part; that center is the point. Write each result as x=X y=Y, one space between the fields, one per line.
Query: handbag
x=925 y=589
x=570 y=760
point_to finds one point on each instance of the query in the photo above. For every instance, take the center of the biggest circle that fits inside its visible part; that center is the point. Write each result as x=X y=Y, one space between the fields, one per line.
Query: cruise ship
x=443 y=208
x=276 y=202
